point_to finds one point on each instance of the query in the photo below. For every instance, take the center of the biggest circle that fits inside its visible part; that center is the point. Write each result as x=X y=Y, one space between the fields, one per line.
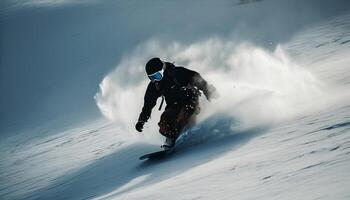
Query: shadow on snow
x=121 y=171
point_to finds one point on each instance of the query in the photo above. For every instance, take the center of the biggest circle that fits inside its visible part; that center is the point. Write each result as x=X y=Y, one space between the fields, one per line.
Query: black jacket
x=170 y=87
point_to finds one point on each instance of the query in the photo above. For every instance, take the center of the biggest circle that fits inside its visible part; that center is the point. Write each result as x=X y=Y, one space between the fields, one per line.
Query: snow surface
x=230 y=155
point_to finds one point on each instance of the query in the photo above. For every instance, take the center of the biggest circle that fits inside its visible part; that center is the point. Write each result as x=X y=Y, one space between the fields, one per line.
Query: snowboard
x=156 y=155
x=163 y=153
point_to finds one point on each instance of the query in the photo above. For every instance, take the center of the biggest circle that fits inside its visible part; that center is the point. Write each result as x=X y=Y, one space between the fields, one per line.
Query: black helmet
x=153 y=65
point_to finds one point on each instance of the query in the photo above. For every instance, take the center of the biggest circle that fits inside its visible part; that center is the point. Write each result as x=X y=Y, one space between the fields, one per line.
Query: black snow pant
x=176 y=117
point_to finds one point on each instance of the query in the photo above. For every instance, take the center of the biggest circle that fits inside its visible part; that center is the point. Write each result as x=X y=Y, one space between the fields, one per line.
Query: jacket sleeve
x=150 y=100
x=197 y=80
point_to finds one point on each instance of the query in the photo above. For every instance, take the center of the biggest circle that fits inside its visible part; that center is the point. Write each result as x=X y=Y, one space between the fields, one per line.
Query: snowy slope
x=304 y=155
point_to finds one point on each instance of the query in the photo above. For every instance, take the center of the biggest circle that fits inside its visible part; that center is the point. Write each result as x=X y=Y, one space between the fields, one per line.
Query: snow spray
x=256 y=86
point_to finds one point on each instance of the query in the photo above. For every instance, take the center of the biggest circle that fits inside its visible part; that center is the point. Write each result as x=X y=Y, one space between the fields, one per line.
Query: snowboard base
x=156 y=155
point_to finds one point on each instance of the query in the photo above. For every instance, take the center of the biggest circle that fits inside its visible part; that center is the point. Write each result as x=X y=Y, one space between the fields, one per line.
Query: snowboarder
x=180 y=87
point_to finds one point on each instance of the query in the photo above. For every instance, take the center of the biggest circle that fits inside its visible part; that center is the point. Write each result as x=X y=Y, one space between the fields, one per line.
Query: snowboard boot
x=168 y=143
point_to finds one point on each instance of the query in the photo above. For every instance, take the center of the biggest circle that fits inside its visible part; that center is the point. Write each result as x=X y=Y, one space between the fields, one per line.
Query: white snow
x=305 y=155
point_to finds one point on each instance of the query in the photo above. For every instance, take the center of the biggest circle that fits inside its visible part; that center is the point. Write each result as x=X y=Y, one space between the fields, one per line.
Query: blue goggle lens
x=156 y=76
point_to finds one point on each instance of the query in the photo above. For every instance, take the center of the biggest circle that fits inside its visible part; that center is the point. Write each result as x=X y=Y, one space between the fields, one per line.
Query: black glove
x=139 y=126
x=210 y=93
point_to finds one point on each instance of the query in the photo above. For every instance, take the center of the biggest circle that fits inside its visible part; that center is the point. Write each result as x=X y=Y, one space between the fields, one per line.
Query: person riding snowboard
x=180 y=87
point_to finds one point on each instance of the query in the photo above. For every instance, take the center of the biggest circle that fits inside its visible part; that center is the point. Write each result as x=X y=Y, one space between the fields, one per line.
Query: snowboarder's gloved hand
x=139 y=126
x=211 y=93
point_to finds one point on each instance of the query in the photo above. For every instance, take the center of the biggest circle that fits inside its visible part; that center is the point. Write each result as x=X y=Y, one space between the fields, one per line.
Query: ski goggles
x=157 y=76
